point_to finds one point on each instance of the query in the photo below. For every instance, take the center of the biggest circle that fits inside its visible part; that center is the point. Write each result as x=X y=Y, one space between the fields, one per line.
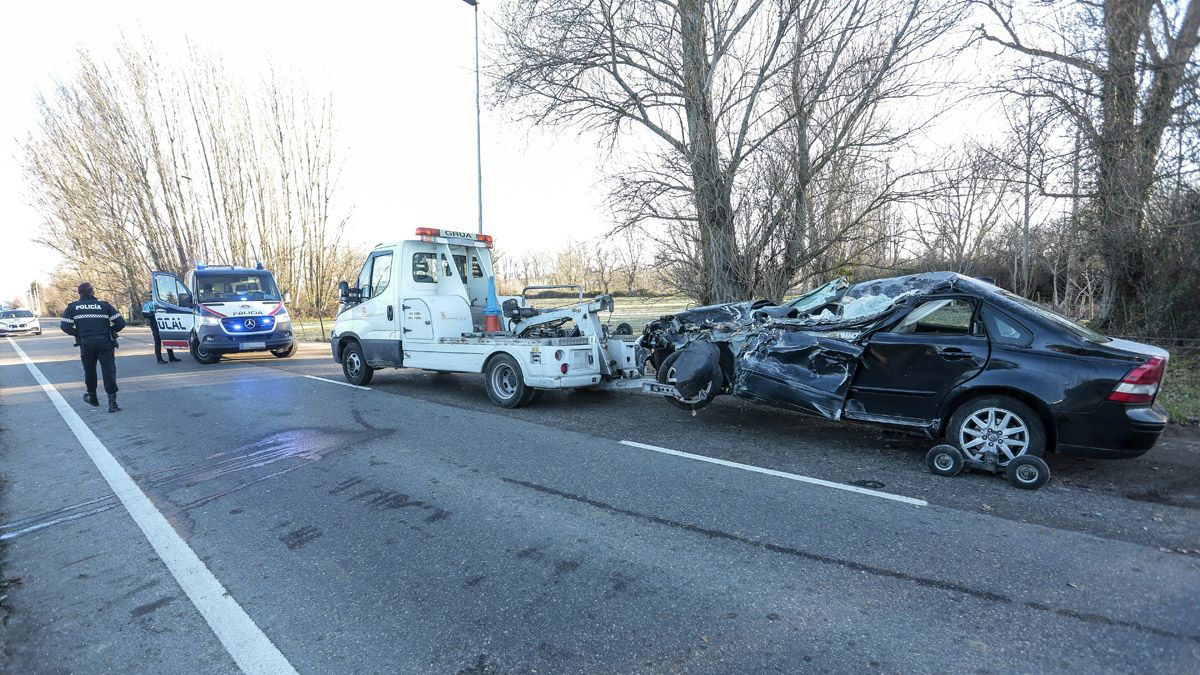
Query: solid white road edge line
x=781 y=474
x=344 y=384
x=252 y=650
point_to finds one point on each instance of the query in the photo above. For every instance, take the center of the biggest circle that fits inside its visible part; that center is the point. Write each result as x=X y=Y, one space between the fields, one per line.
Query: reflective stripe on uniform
x=114 y=317
x=66 y=320
x=93 y=316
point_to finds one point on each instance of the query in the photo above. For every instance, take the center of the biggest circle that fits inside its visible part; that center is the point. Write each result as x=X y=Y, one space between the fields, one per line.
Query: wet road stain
x=143 y=610
x=474 y=581
x=276 y=454
x=299 y=537
x=385 y=500
x=882 y=572
x=438 y=514
x=565 y=566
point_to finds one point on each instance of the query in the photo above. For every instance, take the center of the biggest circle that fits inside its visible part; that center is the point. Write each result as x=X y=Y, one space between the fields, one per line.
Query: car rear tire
x=665 y=376
x=202 y=356
x=1027 y=472
x=354 y=365
x=944 y=460
x=996 y=423
x=284 y=353
x=505 y=383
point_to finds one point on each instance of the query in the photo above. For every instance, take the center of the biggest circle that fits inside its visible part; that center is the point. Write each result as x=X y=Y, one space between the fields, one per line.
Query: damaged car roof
x=836 y=306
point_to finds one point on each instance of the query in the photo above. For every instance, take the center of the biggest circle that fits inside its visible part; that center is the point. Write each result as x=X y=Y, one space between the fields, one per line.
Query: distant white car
x=17 y=321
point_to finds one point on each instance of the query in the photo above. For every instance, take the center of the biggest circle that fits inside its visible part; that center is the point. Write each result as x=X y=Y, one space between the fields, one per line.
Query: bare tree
x=706 y=87
x=1139 y=54
x=138 y=165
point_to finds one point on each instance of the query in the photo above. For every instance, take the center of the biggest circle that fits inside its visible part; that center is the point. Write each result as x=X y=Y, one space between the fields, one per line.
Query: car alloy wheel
x=994 y=430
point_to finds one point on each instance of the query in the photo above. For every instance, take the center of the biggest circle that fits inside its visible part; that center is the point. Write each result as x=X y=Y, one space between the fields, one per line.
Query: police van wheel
x=202 y=356
x=285 y=352
x=354 y=365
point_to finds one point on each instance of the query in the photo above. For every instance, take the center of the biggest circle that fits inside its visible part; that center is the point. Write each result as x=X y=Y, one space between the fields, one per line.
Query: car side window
x=422 y=268
x=166 y=288
x=1003 y=328
x=945 y=316
x=381 y=273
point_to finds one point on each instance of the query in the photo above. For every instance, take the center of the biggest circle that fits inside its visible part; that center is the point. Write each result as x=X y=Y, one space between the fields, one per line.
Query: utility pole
x=478 y=115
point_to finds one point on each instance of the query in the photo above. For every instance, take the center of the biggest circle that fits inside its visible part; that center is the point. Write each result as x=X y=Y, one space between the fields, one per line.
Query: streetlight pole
x=478 y=115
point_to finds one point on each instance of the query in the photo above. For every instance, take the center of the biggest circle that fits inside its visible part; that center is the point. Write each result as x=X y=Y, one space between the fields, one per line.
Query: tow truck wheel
x=944 y=460
x=666 y=375
x=504 y=382
x=354 y=365
x=285 y=352
x=200 y=354
x=1027 y=472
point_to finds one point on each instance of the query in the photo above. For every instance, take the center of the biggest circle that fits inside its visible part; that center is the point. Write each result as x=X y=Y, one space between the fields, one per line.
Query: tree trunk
x=711 y=192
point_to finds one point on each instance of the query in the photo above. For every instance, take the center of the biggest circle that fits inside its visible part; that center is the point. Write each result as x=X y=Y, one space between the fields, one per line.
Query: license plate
x=252 y=345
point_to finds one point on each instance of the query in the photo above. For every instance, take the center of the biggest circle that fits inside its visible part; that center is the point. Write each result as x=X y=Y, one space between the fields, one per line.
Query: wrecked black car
x=937 y=354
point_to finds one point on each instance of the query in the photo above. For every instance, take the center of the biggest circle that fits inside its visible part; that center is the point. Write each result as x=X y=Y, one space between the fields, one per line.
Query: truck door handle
x=407 y=330
x=389 y=312
x=954 y=353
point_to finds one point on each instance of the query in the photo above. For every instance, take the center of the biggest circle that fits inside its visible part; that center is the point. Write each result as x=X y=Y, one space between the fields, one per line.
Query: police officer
x=95 y=325
x=148 y=315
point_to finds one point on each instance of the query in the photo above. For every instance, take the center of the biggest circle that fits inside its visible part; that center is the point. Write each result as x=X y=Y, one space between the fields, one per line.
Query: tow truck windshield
x=233 y=287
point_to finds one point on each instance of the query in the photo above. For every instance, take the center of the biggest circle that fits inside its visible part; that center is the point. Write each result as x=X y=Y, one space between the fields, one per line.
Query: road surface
x=252 y=514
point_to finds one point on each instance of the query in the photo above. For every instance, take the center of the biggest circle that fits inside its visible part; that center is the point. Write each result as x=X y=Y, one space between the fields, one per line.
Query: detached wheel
x=505 y=383
x=200 y=354
x=1027 y=472
x=354 y=365
x=623 y=329
x=944 y=460
x=999 y=424
x=286 y=352
x=666 y=375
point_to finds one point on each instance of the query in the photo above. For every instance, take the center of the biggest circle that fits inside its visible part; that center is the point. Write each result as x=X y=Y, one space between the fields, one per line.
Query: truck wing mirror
x=343 y=292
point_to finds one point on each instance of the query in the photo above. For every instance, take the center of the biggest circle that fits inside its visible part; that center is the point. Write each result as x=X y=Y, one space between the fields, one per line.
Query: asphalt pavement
x=261 y=514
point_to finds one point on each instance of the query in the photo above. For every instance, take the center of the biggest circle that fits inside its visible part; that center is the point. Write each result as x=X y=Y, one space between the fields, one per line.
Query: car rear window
x=1081 y=331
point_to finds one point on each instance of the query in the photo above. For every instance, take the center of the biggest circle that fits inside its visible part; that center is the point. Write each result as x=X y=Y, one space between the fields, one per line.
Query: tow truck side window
x=381 y=273
x=422 y=268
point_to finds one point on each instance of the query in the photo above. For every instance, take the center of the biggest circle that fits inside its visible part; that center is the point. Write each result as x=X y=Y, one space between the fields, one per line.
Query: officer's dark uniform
x=95 y=325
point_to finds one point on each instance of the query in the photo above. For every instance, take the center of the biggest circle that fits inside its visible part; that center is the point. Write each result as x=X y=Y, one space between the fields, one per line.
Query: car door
x=381 y=327
x=173 y=310
x=907 y=370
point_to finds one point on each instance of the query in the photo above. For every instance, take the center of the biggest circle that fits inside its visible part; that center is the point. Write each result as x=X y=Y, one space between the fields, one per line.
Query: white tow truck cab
x=422 y=303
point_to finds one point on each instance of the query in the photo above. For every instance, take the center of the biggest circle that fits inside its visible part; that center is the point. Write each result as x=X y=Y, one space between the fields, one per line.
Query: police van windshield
x=233 y=287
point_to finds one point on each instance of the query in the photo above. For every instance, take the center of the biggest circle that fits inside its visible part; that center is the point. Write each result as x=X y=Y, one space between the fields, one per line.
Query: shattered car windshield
x=1082 y=331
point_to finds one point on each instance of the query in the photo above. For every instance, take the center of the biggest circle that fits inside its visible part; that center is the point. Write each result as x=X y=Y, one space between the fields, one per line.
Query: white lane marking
x=344 y=384
x=781 y=474
x=252 y=650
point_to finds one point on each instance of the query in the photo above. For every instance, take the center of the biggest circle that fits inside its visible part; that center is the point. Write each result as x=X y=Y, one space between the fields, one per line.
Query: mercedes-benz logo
x=249 y=323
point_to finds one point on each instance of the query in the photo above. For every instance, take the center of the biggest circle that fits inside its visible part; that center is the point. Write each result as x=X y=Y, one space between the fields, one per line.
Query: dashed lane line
x=250 y=648
x=781 y=474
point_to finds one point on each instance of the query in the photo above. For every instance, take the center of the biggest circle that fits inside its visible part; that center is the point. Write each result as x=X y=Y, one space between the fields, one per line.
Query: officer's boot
x=171 y=356
x=91 y=399
x=112 y=403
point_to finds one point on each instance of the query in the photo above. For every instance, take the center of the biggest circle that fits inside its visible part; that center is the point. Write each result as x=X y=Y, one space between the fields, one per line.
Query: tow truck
x=430 y=303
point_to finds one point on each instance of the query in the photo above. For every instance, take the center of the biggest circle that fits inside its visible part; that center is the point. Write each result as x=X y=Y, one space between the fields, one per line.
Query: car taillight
x=1141 y=384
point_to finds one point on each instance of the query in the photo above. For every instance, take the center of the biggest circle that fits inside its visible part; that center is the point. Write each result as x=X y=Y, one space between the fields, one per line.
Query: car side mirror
x=343 y=292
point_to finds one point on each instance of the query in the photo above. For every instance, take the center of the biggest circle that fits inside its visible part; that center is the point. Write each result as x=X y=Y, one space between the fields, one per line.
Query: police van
x=221 y=309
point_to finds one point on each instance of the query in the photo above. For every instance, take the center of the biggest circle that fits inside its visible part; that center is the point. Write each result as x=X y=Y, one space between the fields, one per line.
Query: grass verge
x=1180 y=393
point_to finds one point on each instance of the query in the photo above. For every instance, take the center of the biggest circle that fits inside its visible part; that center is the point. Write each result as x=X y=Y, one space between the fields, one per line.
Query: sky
x=402 y=79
